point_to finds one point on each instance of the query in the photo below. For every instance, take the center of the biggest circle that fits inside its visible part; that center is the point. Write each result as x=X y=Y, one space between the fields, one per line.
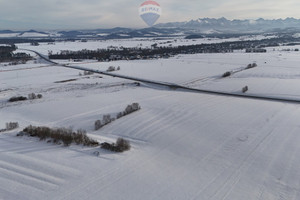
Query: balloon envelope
x=150 y=11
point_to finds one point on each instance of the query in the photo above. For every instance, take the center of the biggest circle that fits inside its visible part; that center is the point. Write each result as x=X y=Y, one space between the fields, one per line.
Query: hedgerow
x=58 y=135
x=106 y=119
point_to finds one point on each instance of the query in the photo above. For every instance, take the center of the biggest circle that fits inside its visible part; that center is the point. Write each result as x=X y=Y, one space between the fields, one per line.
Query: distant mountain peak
x=235 y=25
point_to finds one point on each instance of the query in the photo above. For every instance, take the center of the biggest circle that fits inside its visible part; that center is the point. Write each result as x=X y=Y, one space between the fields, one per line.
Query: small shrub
x=120 y=146
x=111 y=69
x=31 y=96
x=87 y=73
x=98 y=125
x=131 y=108
x=123 y=145
x=79 y=138
x=107 y=146
x=245 y=89
x=106 y=119
x=226 y=74
x=249 y=66
x=18 y=98
x=67 y=139
x=12 y=125
x=96 y=153
x=119 y=115
x=136 y=106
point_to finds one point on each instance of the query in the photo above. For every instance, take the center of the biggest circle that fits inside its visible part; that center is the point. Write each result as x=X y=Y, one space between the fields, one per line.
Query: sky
x=93 y=14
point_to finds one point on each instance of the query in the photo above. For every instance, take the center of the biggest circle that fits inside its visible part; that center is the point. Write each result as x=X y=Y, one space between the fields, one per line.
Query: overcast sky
x=82 y=14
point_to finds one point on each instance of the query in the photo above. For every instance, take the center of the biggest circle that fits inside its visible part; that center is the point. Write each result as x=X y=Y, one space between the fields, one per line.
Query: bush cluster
x=86 y=73
x=18 y=62
x=64 y=135
x=11 y=125
x=32 y=96
x=129 y=109
x=112 y=68
x=249 y=66
x=245 y=89
x=18 y=98
x=226 y=74
x=121 y=145
x=106 y=119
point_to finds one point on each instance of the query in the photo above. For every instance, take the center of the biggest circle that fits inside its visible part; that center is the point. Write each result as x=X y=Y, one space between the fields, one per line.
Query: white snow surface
x=184 y=145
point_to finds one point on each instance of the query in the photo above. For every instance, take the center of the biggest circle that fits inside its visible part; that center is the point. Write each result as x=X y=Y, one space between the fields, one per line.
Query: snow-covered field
x=184 y=145
x=44 y=48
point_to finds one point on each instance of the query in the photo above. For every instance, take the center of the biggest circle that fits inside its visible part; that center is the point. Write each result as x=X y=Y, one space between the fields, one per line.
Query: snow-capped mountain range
x=228 y=26
x=198 y=26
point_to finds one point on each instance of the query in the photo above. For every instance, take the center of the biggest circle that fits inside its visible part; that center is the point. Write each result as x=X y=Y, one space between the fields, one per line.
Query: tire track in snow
x=119 y=171
x=293 y=169
x=237 y=175
x=211 y=189
x=201 y=79
x=6 y=193
x=33 y=174
x=26 y=179
x=24 y=190
x=165 y=116
x=28 y=174
x=204 y=160
x=171 y=128
x=219 y=149
x=287 y=154
x=88 y=113
x=268 y=161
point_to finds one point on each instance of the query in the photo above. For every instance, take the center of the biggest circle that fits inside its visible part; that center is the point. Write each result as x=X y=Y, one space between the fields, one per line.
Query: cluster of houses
x=255 y=50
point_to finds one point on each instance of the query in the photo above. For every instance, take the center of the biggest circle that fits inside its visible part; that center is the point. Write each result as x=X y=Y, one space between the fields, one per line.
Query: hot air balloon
x=150 y=11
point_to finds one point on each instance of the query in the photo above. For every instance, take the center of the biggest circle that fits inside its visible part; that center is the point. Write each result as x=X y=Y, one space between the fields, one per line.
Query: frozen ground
x=184 y=145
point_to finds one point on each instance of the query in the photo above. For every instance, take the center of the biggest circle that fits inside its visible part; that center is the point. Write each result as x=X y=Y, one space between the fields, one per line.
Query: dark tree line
x=7 y=55
x=22 y=40
x=167 y=51
x=6 y=52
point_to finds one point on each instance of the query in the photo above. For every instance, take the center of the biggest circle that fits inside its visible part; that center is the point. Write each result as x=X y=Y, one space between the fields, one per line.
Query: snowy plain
x=58 y=46
x=184 y=145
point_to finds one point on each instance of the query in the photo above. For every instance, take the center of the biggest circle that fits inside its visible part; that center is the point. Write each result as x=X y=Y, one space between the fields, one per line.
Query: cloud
x=68 y=13
x=80 y=14
x=253 y=9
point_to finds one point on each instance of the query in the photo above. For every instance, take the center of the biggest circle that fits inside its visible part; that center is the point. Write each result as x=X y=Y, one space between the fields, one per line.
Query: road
x=170 y=85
